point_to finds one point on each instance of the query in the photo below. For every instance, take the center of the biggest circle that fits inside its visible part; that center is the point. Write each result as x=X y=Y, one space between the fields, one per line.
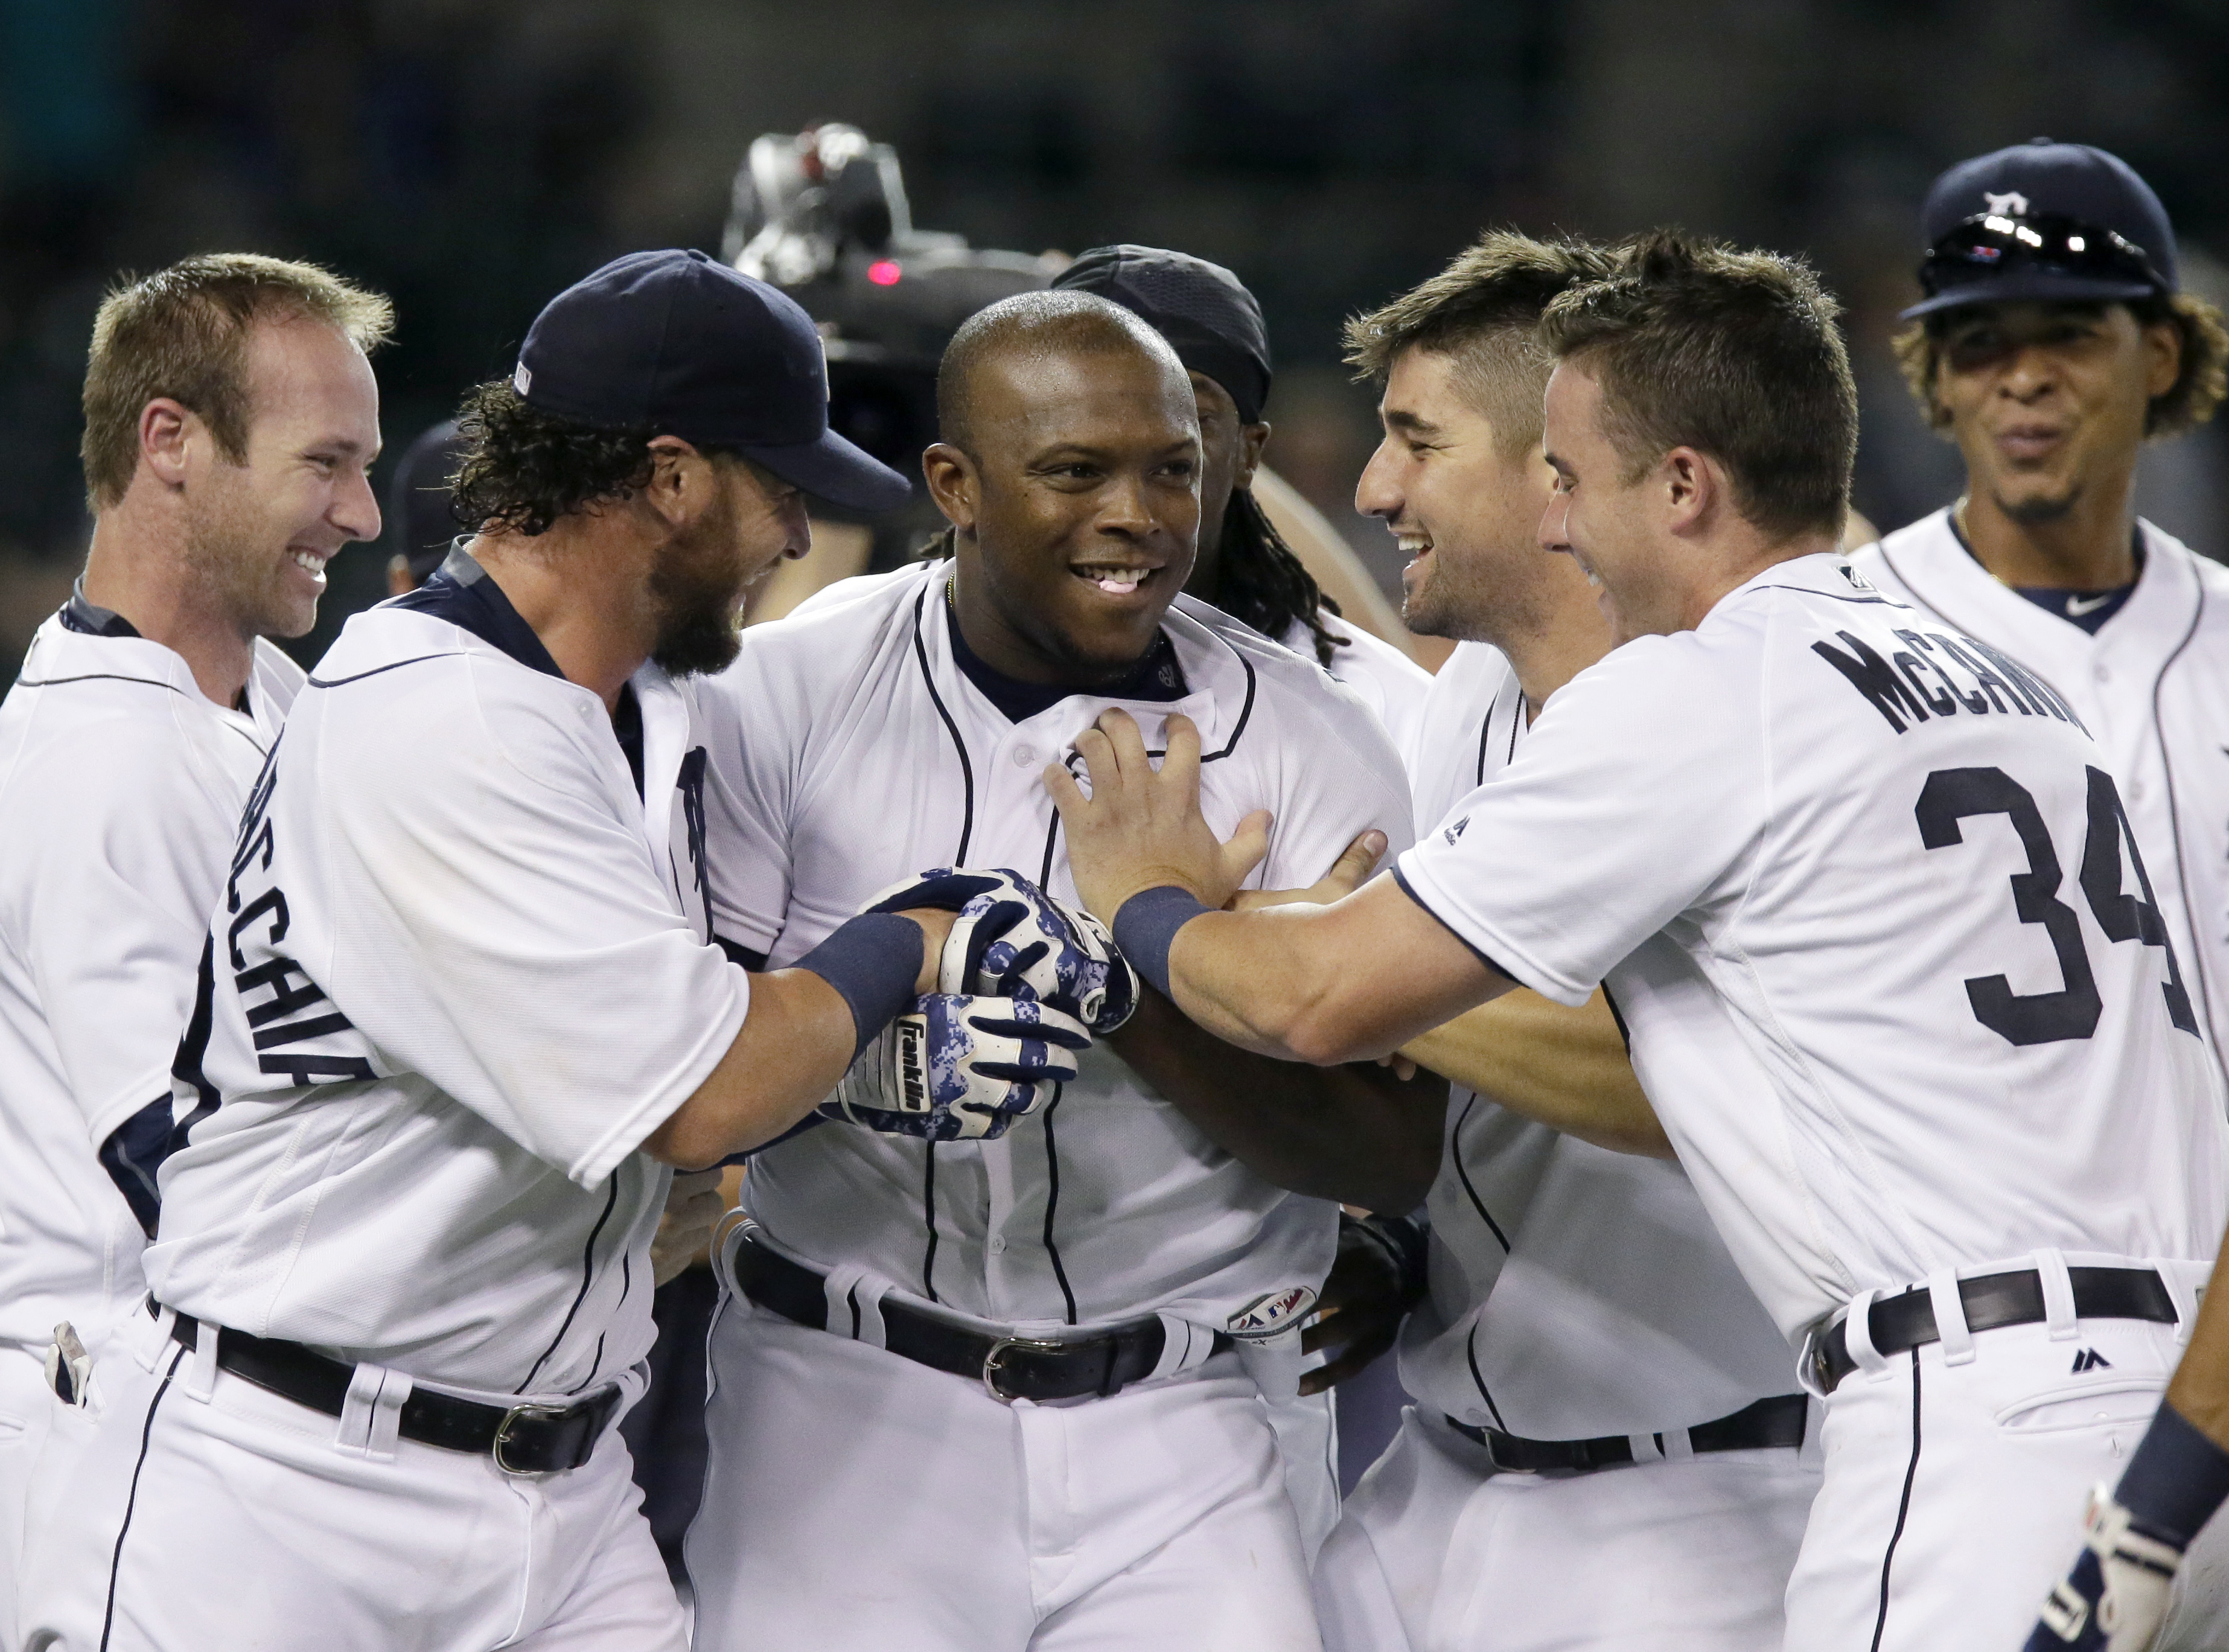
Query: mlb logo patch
x=1267 y=1315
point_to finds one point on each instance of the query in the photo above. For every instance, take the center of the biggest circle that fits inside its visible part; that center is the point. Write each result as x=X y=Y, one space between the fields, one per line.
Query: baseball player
x=1864 y=893
x=230 y=414
x=1059 y=1341
x=1582 y=1315
x=458 y=1009
x=1244 y=567
x=2051 y=343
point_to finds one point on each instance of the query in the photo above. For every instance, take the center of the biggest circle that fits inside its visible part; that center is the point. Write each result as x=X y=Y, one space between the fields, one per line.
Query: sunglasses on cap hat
x=2043 y=254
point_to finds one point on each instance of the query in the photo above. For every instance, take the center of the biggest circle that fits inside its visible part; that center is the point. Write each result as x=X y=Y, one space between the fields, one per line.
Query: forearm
x=1358 y=1135
x=795 y=1043
x=1325 y=984
x=1565 y=1068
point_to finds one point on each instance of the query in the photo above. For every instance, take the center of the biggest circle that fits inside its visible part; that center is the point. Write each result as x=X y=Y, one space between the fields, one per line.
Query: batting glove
x=2117 y=1593
x=961 y=1068
x=1013 y=940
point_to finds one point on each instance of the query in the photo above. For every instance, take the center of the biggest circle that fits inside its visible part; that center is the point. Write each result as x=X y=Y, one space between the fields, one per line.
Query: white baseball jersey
x=460 y=970
x=1828 y=850
x=120 y=787
x=1574 y=1291
x=1388 y=681
x=850 y=751
x=2152 y=685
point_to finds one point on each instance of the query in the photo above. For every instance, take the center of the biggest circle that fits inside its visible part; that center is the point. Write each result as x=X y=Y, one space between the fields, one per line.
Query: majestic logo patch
x=1456 y=830
x=2090 y=1359
x=1858 y=581
x=2012 y=202
x=1267 y=1315
x=521 y=380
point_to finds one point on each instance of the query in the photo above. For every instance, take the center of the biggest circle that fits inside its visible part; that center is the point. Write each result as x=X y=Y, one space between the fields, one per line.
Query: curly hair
x=1261 y=580
x=2189 y=401
x=525 y=468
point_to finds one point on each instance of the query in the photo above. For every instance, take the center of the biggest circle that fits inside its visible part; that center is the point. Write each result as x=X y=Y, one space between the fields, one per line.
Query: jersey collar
x=1929 y=561
x=461 y=593
x=90 y=619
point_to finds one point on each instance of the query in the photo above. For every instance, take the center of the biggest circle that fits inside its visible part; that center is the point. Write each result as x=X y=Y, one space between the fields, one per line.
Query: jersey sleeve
x=520 y=953
x=115 y=910
x=752 y=730
x=1341 y=776
x=1634 y=798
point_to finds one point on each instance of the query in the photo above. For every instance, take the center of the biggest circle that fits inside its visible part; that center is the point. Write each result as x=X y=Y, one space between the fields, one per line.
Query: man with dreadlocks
x=1244 y=567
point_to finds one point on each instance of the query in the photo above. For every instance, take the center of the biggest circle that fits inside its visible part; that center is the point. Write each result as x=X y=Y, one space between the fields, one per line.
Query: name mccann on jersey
x=1898 y=690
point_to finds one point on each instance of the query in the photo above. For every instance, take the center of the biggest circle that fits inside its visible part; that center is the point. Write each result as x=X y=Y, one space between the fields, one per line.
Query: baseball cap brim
x=837 y=471
x=2028 y=286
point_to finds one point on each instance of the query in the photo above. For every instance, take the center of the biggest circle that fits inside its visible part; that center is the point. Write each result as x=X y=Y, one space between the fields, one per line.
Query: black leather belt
x=1011 y=1367
x=1777 y=1421
x=526 y=1439
x=1902 y=1323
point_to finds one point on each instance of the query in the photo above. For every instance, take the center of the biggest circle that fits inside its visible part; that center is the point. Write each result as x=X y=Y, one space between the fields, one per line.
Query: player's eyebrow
x=1410 y=423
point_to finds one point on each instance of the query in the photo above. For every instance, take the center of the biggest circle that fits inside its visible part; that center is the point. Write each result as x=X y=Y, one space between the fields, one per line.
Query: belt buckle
x=993 y=1360
x=526 y=1412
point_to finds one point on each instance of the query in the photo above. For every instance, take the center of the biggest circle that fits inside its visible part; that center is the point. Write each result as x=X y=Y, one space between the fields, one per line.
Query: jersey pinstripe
x=848 y=750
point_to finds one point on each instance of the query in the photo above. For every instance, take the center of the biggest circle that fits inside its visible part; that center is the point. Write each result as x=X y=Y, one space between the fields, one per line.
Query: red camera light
x=884 y=272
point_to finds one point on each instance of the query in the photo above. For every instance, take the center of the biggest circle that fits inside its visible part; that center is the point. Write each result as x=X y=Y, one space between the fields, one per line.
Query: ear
x=955 y=483
x=1691 y=487
x=166 y=428
x=2163 y=358
x=1252 y=439
x=682 y=485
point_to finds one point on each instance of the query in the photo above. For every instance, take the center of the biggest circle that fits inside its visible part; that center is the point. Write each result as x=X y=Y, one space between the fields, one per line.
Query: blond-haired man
x=230 y=417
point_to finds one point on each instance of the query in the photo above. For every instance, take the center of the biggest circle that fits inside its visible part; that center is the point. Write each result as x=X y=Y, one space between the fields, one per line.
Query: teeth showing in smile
x=308 y=562
x=1412 y=545
x=1116 y=582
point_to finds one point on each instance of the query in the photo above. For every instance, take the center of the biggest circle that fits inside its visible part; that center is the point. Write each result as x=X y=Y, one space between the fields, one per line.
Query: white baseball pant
x=205 y=1512
x=27 y=1405
x=858 y=1500
x=1438 y=1552
x=1955 y=1477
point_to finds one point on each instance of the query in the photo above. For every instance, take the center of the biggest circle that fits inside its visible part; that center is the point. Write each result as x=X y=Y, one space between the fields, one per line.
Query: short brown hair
x=2189 y=401
x=1482 y=312
x=182 y=333
x=1735 y=354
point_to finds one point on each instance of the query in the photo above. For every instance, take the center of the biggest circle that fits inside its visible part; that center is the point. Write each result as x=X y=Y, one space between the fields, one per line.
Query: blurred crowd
x=469 y=157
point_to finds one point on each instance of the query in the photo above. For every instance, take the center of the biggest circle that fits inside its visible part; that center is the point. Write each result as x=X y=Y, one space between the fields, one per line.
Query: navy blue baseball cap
x=2043 y=220
x=1205 y=313
x=679 y=345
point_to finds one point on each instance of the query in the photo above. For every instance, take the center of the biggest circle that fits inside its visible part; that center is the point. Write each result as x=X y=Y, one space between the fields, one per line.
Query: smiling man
x=458 y=1010
x=1007 y=1391
x=230 y=417
x=2053 y=342
x=1951 y=1113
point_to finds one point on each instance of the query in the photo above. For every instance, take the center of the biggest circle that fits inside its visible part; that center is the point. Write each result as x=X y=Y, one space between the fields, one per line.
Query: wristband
x=2177 y=1479
x=1146 y=925
x=872 y=960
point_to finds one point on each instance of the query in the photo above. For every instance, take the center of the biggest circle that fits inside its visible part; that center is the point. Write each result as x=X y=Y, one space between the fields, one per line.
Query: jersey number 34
x=1953 y=794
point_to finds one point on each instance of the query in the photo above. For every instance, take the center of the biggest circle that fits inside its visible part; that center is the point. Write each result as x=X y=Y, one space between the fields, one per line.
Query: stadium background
x=473 y=156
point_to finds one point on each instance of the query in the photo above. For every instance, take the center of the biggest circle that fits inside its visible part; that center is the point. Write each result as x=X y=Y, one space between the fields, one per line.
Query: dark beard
x=694 y=584
x=2034 y=512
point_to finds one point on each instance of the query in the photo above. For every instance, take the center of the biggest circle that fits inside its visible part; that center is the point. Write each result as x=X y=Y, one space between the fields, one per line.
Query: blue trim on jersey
x=1482 y=957
x=462 y=593
x=91 y=618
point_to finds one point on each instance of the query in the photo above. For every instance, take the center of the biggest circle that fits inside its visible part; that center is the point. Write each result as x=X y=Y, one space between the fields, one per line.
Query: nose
x=2031 y=371
x=1125 y=511
x=355 y=510
x=1375 y=492
x=1555 y=532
